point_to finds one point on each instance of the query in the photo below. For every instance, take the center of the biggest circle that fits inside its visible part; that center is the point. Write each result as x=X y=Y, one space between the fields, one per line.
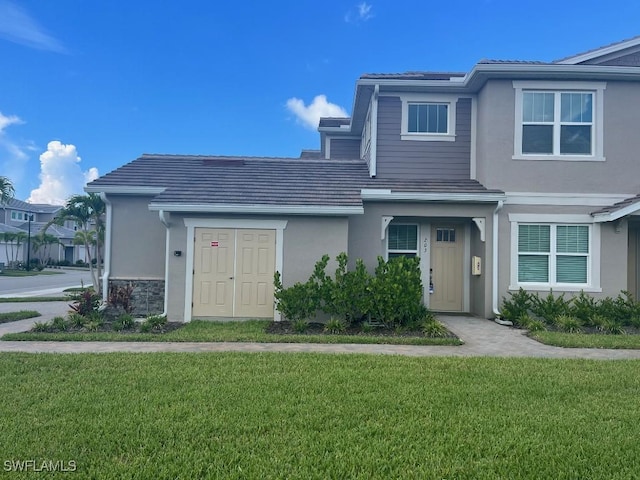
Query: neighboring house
x=516 y=174
x=14 y=218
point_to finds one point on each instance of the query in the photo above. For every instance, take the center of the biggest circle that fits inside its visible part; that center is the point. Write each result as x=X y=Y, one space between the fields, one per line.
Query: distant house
x=14 y=218
x=515 y=174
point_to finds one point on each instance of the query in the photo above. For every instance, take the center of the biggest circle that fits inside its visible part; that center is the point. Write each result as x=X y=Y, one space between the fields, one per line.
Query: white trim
x=373 y=149
x=371 y=194
x=617 y=214
x=593 y=262
x=600 y=52
x=107 y=246
x=259 y=209
x=550 y=218
x=193 y=223
x=480 y=223
x=125 y=190
x=415 y=251
x=473 y=168
x=435 y=98
x=466 y=269
x=597 y=140
x=327 y=147
x=565 y=199
x=386 y=220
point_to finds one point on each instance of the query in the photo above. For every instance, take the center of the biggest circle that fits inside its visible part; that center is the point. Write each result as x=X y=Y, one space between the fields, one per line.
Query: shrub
x=568 y=324
x=124 y=322
x=523 y=321
x=335 y=326
x=154 y=322
x=300 y=326
x=295 y=303
x=536 y=325
x=41 y=327
x=583 y=307
x=612 y=327
x=122 y=297
x=85 y=302
x=93 y=325
x=433 y=328
x=550 y=307
x=396 y=291
x=518 y=304
x=350 y=298
x=59 y=323
x=76 y=320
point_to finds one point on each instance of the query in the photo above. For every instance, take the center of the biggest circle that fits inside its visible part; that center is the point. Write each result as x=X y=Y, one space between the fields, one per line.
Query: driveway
x=41 y=285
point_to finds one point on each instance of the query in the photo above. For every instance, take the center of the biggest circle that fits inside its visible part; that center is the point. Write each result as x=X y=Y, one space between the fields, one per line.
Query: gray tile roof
x=617 y=206
x=8 y=228
x=414 y=75
x=16 y=204
x=488 y=61
x=207 y=180
x=593 y=50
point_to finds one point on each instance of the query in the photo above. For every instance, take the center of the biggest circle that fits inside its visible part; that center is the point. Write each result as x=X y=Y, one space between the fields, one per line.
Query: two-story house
x=515 y=174
x=20 y=219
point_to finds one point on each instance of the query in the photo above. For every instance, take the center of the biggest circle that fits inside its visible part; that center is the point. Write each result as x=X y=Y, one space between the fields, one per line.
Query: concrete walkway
x=482 y=338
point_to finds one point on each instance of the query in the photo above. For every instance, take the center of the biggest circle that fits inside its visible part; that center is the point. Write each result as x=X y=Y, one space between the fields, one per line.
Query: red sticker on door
x=215 y=244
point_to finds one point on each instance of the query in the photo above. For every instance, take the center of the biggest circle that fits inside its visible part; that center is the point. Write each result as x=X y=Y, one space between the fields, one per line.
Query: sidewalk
x=482 y=338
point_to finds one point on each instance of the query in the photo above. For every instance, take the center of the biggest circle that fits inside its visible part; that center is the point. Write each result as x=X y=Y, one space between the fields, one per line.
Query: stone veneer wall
x=147 y=297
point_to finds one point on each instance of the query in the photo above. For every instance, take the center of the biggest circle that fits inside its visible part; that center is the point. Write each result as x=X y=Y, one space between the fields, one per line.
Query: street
x=43 y=285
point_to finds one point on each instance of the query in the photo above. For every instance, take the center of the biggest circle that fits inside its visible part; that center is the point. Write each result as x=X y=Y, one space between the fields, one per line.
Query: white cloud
x=60 y=175
x=360 y=13
x=17 y=26
x=310 y=115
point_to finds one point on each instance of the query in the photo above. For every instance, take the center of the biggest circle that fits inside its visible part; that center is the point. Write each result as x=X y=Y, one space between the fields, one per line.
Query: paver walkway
x=482 y=338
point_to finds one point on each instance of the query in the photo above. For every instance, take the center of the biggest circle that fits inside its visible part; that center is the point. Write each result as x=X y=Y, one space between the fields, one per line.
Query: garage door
x=233 y=273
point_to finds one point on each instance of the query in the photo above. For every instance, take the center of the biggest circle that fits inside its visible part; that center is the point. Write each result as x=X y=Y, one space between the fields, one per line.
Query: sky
x=86 y=87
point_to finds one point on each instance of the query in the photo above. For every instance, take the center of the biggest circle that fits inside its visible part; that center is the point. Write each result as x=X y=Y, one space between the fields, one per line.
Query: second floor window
x=557 y=123
x=428 y=118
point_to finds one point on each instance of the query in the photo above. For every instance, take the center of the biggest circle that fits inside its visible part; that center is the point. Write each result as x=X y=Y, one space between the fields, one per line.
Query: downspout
x=494 y=279
x=107 y=247
x=164 y=218
x=373 y=150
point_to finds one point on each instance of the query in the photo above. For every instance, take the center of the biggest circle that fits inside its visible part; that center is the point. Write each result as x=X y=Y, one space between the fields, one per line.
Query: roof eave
x=331 y=210
x=124 y=189
x=447 y=197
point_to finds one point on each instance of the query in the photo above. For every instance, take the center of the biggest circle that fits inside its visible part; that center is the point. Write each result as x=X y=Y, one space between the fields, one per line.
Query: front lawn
x=248 y=331
x=33 y=299
x=19 y=315
x=585 y=340
x=30 y=273
x=318 y=416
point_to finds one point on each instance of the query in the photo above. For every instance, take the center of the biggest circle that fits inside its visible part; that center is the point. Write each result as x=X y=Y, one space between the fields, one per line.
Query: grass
x=34 y=299
x=315 y=416
x=581 y=340
x=30 y=273
x=249 y=331
x=20 y=315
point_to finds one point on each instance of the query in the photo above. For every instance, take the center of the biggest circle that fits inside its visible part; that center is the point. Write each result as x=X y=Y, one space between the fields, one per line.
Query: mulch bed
x=315 y=328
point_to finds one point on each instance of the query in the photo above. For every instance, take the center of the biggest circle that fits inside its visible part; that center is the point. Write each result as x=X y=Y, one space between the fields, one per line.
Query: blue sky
x=88 y=86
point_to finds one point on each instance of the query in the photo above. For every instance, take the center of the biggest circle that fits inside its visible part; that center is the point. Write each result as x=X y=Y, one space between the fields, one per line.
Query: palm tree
x=43 y=241
x=6 y=190
x=88 y=212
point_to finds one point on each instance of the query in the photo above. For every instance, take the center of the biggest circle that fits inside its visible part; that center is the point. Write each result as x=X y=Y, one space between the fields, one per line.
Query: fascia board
x=432 y=197
x=601 y=52
x=124 y=190
x=259 y=209
x=617 y=214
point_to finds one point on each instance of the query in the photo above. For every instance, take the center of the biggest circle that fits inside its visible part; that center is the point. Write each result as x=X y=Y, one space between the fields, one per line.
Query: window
x=18 y=216
x=446 y=235
x=563 y=123
x=428 y=117
x=402 y=241
x=553 y=254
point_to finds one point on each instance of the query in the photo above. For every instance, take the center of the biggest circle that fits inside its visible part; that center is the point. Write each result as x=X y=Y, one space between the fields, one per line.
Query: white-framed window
x=560 y=253
x=559 y=120
x=18 y=215
x=428 y=117
x=402 y=240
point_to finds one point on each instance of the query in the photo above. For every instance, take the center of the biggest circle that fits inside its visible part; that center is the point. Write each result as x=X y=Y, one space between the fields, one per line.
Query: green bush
x=300 y=326
x=434 y=329
x=154 y=323
x=41 y=327
x=550 y=306
x=59 y=323
x=76 y=320
x=536 y=325
x=568 y=324
x=396 y=291
x=124 y=322
x=335 y=326
x=298 y=302
x=517 y=305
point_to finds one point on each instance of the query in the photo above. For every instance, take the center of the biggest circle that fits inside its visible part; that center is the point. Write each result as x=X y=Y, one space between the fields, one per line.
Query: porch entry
x=233 y=272
x=447 y=249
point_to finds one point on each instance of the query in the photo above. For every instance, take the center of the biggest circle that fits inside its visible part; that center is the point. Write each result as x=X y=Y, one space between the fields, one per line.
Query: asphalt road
x=43 y=284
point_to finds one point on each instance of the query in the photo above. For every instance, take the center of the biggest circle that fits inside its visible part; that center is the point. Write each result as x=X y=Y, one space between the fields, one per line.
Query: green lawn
x=249 y=331
x=30 y=273
x=232 y=415
x=581 y=340
x=19 y=315
x=34 y=299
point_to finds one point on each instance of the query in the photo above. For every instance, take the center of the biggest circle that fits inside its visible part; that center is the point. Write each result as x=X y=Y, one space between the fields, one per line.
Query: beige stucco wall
x=305 y=240
x=620 y=173
x=365 y=239
x=137 y=239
